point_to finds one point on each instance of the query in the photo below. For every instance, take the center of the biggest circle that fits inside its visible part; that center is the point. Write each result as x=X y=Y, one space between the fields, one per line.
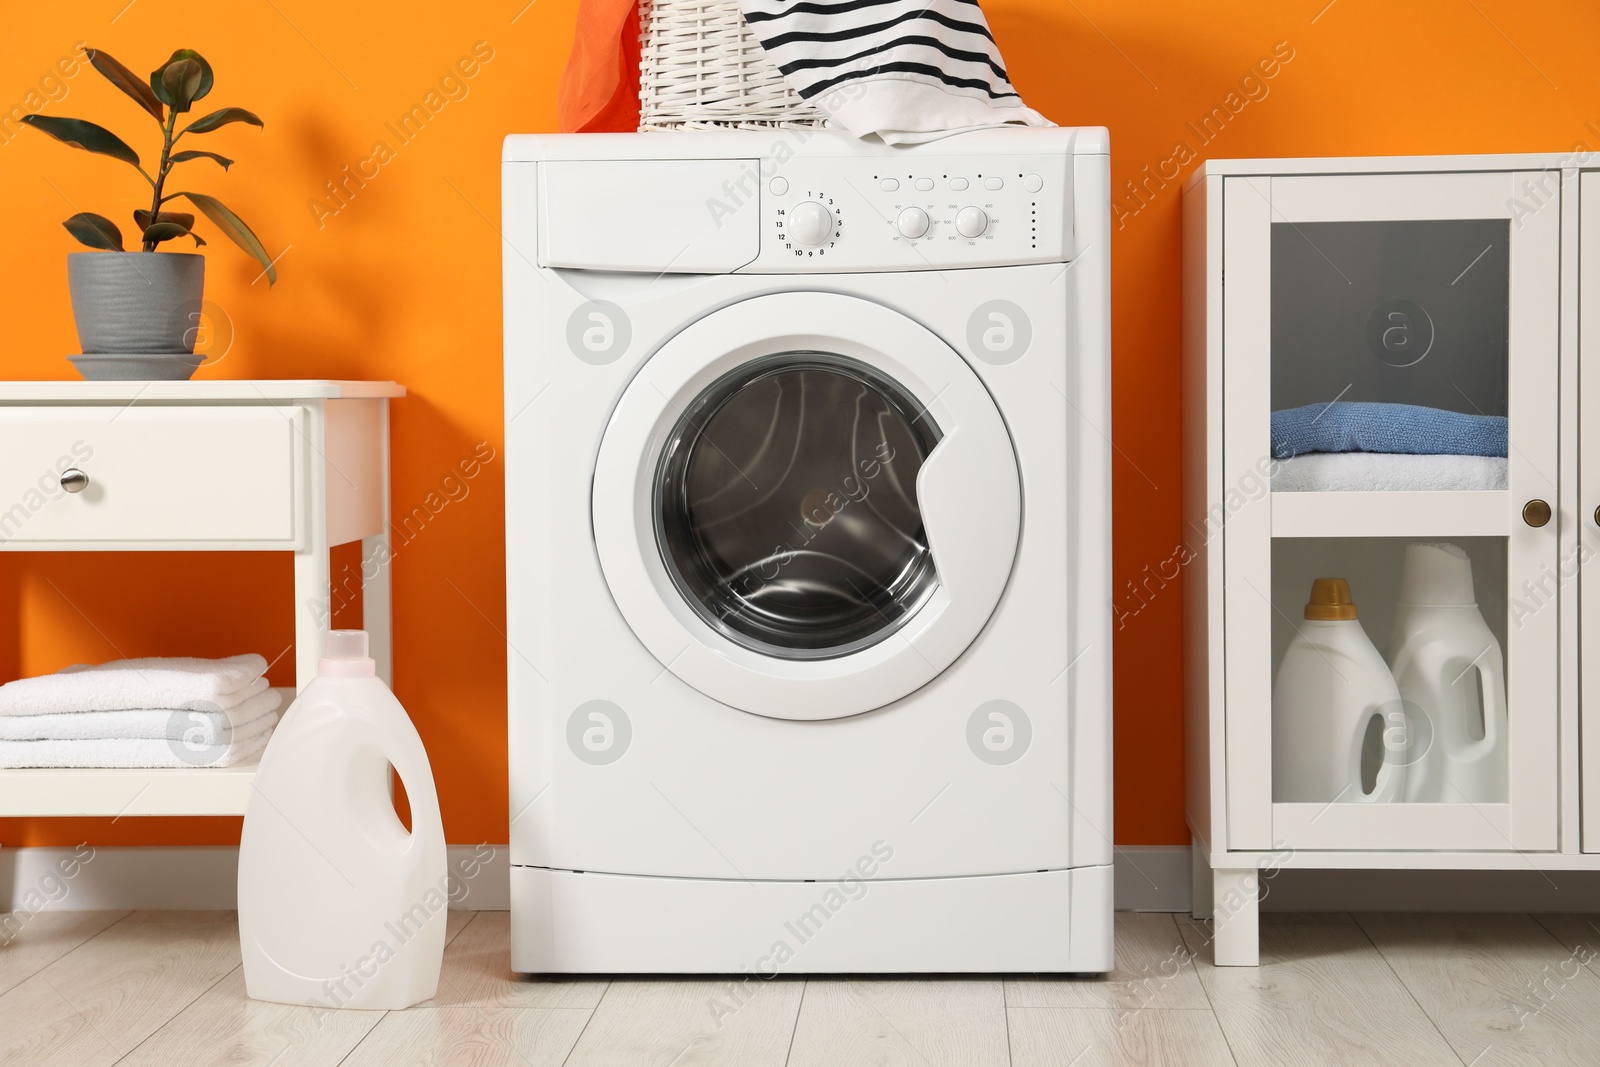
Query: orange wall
x=403 y=282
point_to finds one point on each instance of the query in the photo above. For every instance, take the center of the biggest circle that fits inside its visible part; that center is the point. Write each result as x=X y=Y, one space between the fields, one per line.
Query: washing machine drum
x=806 y=505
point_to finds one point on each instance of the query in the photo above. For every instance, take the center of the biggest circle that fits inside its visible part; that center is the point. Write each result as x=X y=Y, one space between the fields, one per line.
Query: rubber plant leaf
x=177 y=57
x=234 y=227
x=181 y=80
x=84 y=135
x=207 y=123
x=96 y=231
x=166 y=231
x=127 y=81
x=184 y=157
x=182 y=218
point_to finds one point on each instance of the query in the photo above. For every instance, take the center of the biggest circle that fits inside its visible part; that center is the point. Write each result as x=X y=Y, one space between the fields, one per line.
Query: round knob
x=74 y=480
x=1536 y=513
x=913 y=222
x=971 y=222
x=810 y=224
x=1597 y=516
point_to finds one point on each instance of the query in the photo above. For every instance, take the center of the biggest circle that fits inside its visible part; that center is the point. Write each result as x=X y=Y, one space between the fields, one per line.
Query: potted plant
x=137 y=312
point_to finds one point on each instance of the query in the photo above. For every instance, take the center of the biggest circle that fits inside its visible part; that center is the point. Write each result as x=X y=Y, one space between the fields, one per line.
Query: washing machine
x=808 y=552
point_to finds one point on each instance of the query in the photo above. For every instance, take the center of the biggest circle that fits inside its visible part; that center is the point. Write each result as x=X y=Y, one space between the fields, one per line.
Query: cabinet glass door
x=1390 y=419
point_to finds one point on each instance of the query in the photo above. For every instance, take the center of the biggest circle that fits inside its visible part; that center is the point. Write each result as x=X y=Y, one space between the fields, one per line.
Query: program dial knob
x=810 y=224
x=913 y=222
x=971 y=222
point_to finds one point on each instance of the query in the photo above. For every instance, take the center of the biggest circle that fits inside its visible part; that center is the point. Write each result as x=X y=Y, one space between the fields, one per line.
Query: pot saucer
x=137 y=367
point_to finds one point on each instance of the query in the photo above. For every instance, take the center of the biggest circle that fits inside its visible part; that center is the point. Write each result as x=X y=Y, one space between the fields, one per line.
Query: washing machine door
x=806 y=505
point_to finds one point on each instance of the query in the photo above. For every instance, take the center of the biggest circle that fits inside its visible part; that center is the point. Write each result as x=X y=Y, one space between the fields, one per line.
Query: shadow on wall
x=355 y=289
x=10 y=612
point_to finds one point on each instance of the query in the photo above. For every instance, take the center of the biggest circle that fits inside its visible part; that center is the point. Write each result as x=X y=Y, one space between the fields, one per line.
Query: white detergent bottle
x=1452 y=676
x=340 y=906
x=1331 y=686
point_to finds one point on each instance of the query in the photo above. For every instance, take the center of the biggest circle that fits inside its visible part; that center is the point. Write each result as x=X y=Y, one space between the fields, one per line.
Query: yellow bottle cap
x=1331 y=600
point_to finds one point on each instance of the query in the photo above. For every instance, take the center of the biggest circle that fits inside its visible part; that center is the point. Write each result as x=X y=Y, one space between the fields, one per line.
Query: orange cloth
x=600 y=88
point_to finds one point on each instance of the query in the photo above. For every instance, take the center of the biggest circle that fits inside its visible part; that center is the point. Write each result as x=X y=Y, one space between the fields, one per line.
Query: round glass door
x=790 y=480
x=786 y=505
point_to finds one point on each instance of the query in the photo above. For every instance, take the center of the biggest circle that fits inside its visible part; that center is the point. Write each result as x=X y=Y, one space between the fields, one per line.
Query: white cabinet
x=1311 y=289
x=289 y=466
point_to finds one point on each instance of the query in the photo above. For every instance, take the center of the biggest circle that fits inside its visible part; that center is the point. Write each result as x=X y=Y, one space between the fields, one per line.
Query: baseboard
x=194 y=878
x=1148 y=878
x=1152 y=877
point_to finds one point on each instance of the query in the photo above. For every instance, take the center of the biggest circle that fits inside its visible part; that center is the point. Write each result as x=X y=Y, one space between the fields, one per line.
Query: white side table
x=272 y=466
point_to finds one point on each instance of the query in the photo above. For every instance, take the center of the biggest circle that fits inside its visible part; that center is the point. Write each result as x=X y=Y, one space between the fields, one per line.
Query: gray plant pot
x=136 y=303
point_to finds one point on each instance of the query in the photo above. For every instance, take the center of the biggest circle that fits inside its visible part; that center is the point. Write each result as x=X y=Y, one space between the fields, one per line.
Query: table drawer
x=156 y=474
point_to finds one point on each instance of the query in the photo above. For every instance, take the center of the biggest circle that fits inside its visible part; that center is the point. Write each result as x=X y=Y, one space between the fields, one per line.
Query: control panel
x=924 y=213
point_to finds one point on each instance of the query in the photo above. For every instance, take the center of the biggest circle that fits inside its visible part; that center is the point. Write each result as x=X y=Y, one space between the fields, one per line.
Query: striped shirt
x=818 y=44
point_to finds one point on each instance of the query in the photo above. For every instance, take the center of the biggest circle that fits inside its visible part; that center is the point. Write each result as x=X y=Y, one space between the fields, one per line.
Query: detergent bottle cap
x=344 y=655
x=1437 y=575
x=1330 y=601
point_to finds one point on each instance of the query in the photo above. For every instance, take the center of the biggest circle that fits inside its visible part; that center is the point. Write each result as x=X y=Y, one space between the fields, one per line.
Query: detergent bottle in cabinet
x=1452 y=676
x=339 y=905
x=1331 y=686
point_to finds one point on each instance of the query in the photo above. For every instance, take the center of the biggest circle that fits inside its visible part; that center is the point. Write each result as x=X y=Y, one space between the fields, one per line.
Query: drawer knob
x=74 y=480
x=1536 y=513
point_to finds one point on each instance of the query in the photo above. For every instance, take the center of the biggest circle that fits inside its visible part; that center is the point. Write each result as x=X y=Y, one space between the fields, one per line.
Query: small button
x=958 y=184
x=924 y=184
x=1033 y=183
x=779 y=186
x=993 y=183
x=888 y=185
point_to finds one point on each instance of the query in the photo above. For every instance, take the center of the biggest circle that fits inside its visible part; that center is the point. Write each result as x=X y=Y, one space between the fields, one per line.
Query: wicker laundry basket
x=700 y=68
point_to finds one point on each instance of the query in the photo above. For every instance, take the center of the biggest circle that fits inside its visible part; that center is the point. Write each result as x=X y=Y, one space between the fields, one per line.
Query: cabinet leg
x=311 y=592
x=1236 y=935
x=1199 y=881
x=376 y=610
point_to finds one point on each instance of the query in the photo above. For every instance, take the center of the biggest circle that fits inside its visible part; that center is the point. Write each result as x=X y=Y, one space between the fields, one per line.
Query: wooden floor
x=86 y=989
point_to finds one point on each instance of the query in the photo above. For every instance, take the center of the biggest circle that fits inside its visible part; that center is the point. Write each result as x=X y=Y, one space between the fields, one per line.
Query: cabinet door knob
x=74 y=480
x=1597 y=516
x=1536 y=513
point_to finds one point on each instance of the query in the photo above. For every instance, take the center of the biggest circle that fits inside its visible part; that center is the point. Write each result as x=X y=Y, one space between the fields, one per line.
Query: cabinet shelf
x=1450 y=513
x=119 y=791
x=47 y=791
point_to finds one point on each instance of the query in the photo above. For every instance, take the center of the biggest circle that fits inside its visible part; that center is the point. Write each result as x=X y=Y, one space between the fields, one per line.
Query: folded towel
x=169 y=682
x=140 y=752
x=200 y=727
x=1376 y=472
x=906 y=70
x=1367 y=427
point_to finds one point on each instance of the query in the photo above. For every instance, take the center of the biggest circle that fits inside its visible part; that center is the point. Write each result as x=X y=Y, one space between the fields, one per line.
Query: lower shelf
x=115 y=792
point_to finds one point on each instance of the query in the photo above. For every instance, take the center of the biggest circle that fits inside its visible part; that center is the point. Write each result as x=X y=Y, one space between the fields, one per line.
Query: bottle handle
x=1492 y=698
x=411 y=766
x=1388 y=785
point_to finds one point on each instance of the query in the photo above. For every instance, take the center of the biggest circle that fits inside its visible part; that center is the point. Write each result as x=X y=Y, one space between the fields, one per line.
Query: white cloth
x=140 y=752
x=907 y=71
x=1346 y=472
x=157 y=682
x=198 y=727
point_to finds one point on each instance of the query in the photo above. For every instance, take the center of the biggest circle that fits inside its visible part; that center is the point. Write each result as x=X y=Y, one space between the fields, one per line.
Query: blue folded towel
x=1404 y=428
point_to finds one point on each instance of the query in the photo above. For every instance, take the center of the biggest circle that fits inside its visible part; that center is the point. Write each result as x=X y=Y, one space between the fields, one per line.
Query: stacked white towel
x=154 y=712
x=1332 y=472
